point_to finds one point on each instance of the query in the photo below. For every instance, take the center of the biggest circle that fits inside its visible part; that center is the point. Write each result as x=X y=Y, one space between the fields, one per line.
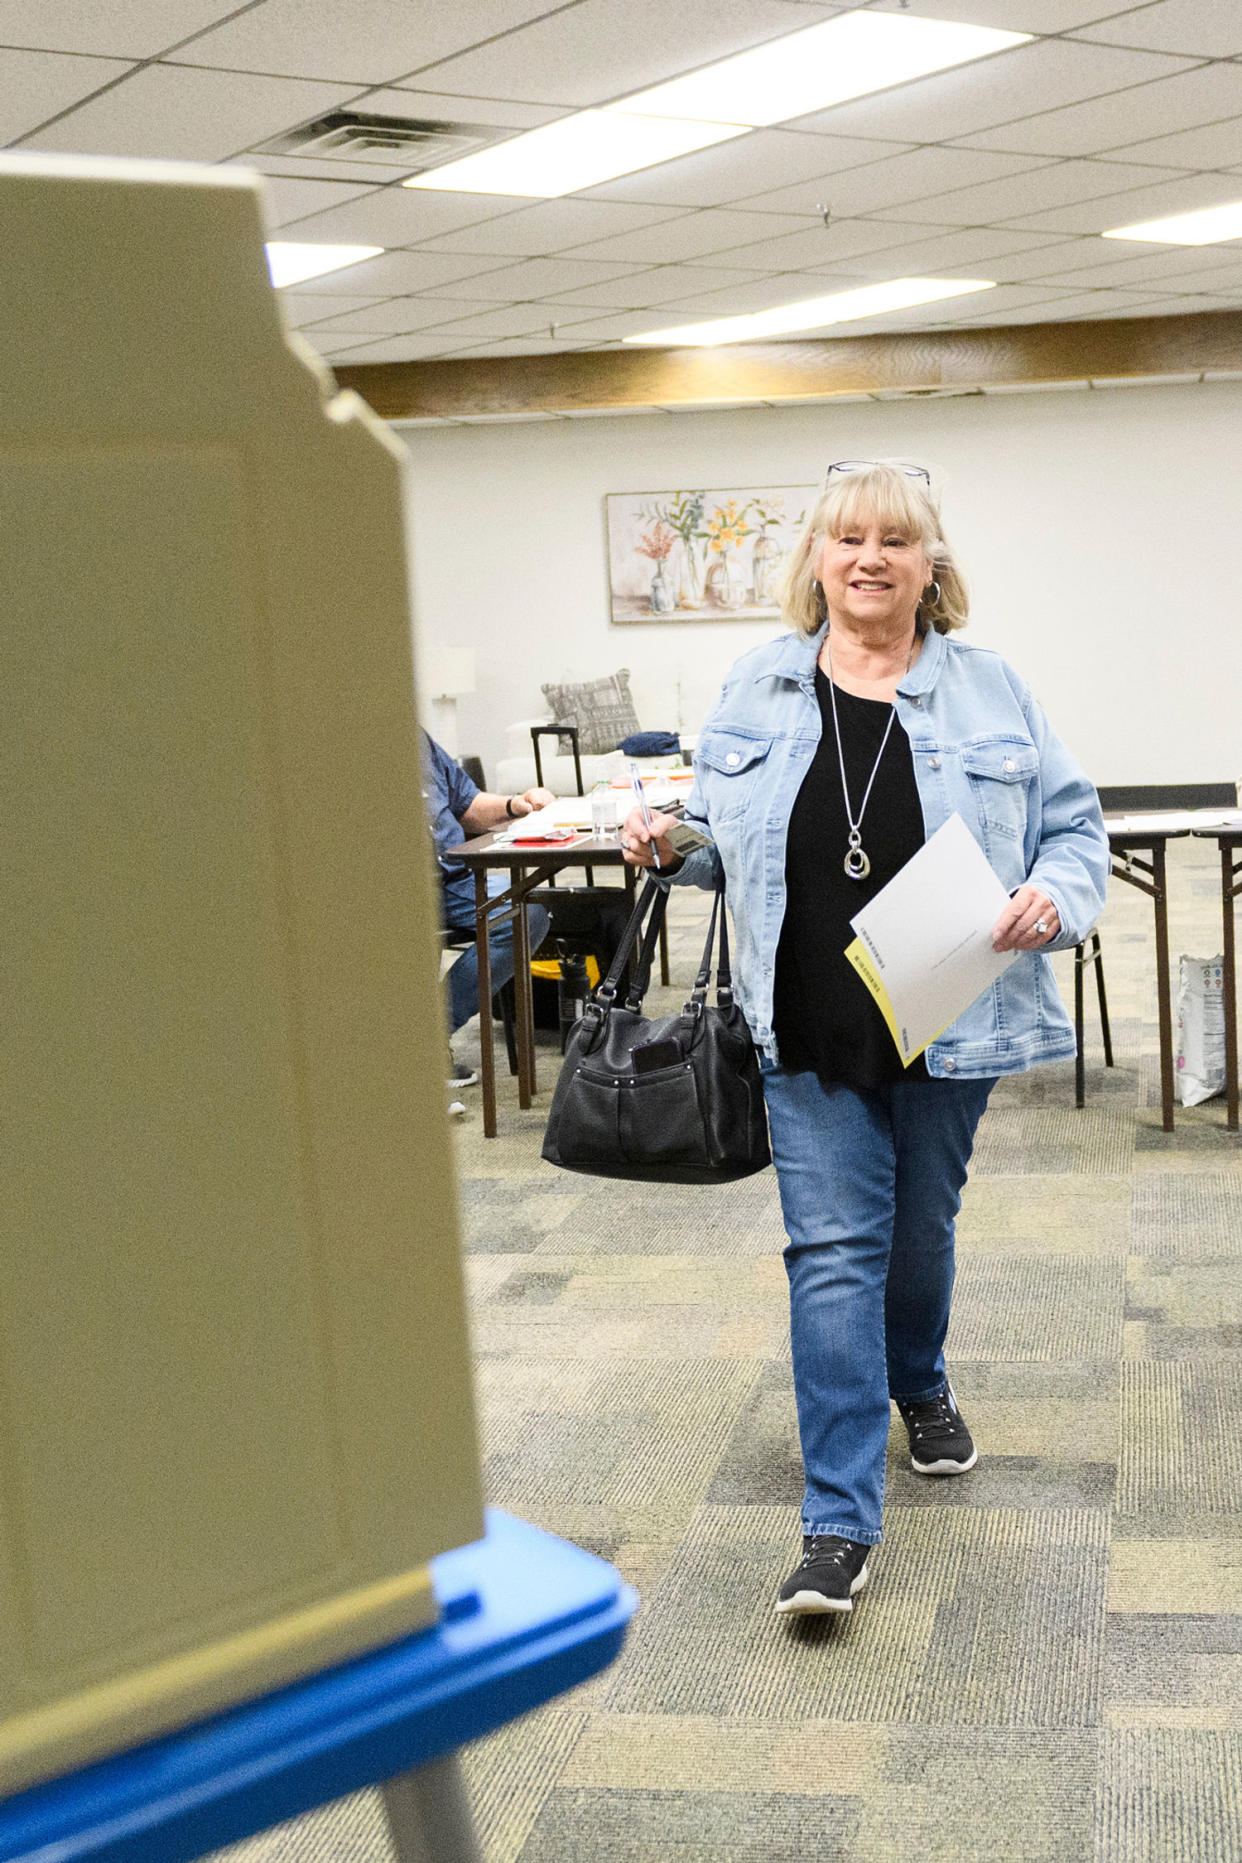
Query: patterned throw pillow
x=602 y=709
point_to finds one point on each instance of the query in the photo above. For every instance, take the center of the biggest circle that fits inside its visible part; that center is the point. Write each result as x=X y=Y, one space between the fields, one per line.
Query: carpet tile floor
x=1047 y=1661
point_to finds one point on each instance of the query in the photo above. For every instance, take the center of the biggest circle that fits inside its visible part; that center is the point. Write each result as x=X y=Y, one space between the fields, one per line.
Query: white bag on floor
x=1200 y=1029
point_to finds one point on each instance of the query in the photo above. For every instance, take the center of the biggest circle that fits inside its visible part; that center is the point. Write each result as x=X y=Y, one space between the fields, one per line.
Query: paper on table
x=1174 y=821
x=924 y=945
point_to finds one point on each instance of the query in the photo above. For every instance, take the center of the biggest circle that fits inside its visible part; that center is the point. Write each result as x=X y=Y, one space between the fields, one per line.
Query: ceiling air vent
x=406 y=143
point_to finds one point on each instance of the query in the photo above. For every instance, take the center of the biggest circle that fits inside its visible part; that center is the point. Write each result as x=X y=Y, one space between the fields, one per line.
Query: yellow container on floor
x=235 y=1405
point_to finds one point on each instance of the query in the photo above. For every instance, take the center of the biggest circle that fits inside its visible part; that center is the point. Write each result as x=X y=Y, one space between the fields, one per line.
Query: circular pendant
x=857 y=866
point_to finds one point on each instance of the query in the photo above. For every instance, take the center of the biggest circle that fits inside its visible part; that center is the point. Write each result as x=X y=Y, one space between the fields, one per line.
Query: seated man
x=456 y=809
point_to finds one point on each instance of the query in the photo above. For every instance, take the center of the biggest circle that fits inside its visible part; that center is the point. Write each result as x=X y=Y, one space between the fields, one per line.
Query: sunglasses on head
x=842 y=467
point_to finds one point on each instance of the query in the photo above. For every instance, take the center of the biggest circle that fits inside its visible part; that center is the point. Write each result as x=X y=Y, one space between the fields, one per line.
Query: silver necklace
x=857 y=865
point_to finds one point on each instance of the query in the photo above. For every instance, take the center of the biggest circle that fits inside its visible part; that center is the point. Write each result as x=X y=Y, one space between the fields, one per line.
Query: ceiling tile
x=994 y=90
x=693 y=235
x=1163 y=268
x=1087 y=304
x=1044 y=264
x=366 y=42
x=1038 y=190
x=531 y=232
x=397 y=272
x=126 y=29
x=504 y=321
x=973 y=250
x=818 y=246
x=500 y=113
x=761 y=293
x=612 y=327
x=298 y=310
x=1137 y=204
x=389 y=316
x=291 y=200
x=1182 y=102
x=381 y=349
x=656 y=286
x=397 y=216
x=767 y=159
x=519 y=346
x=896 y=181
x=597 y=50
x=537 y=278
x=180 y=114
x=1216 y=145
x=1016 y=15
x=37 y=85
x=1206 y=28
x=1217 y=279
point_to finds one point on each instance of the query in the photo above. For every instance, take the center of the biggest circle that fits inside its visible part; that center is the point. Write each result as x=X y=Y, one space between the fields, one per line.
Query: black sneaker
x=940 y=1443
x=830 y=1572
x=460 y=1074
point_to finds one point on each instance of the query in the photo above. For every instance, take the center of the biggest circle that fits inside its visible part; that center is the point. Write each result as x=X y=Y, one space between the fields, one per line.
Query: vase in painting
x=662 y=600
x=724 y=585
x=766 y=562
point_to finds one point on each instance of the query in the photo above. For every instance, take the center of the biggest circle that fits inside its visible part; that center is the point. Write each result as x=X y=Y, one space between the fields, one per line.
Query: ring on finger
x=1041 y=926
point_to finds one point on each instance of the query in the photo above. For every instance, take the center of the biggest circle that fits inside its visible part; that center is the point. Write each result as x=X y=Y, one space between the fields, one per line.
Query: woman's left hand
x=1028 y=921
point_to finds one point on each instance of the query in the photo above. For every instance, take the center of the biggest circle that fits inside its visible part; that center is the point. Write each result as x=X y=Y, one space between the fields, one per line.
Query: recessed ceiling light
x=1202 y=228
x=290 y=261
x=575 y=152
x=816 y=313
x=824 y=64
x=849 y=56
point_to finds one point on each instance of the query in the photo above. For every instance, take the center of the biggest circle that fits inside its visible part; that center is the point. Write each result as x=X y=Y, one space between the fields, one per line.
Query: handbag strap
x=640 y=975
x=724 y=975
x=604 y=994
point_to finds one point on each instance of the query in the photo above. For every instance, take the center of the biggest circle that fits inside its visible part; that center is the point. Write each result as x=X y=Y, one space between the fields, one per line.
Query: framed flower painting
x=701 y=555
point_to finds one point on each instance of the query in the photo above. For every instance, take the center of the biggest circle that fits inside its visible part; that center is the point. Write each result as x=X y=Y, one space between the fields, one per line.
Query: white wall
x=1099 y=531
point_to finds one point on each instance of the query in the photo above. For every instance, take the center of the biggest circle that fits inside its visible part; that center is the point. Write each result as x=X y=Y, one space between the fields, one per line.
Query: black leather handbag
x=678 y=1100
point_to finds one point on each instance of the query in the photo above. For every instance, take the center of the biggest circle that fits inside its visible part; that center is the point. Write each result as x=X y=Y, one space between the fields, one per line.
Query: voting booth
x=235 y=1403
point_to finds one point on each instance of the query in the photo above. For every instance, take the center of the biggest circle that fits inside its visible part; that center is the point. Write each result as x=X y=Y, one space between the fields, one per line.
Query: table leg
x=523 y=993
x=1230 y=988
x=1163 y=998
x=487 y=1052
x=429 y=1815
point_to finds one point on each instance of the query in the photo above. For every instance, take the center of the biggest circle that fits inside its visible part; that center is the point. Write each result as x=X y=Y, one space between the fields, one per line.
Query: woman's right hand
x=636 y=839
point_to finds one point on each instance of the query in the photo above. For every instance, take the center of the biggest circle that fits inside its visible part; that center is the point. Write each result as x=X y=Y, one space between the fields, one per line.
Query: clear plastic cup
x=603 y=813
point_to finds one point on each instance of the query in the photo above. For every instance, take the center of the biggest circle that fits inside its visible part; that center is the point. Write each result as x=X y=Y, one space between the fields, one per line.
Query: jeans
x=870 y=1182
x=457 y=895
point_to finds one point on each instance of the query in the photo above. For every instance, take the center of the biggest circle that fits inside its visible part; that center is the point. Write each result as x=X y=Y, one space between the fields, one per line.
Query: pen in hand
x=636 y=784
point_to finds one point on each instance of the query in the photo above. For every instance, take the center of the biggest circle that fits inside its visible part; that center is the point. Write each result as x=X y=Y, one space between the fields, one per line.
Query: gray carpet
x=1047 y=1663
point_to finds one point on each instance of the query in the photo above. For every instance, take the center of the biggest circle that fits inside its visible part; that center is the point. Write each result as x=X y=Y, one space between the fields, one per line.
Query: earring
x=935 y=600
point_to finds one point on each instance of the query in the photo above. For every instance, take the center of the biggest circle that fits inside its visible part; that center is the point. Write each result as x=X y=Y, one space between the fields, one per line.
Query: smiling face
x=873 y=575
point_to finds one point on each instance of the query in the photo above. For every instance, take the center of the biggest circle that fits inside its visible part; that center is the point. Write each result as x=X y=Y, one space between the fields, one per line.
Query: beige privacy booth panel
x=235 y=1404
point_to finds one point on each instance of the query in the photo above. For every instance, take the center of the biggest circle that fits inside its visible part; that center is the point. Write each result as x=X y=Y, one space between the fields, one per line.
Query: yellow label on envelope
x=860 y=958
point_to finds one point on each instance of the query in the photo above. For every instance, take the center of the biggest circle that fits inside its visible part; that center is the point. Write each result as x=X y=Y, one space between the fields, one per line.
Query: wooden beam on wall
x=1010 y=355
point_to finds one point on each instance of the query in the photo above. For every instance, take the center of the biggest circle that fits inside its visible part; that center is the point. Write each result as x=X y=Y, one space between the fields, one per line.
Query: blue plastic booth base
x=524 y=1616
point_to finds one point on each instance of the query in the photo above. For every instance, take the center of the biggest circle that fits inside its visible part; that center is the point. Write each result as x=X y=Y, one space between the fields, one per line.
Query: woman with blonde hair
x=832 y=754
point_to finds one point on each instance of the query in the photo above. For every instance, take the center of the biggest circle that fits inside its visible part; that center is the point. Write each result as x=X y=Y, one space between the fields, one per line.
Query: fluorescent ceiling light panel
x=575 y=152
x=1202 y=228
x=816 y=313
x=290 y=261
x=825 y=64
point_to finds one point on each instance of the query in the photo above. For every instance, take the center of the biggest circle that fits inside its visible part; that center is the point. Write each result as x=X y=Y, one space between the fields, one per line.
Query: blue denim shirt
x=983 y=748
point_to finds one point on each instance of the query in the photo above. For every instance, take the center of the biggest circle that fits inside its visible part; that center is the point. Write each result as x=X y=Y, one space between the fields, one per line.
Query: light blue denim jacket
x=983 y=748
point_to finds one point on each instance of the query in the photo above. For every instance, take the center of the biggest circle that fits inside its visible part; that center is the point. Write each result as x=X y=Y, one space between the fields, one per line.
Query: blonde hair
x=884 y=492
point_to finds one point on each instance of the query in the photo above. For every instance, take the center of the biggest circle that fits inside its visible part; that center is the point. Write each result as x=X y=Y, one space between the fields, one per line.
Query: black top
x=826 y=1019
